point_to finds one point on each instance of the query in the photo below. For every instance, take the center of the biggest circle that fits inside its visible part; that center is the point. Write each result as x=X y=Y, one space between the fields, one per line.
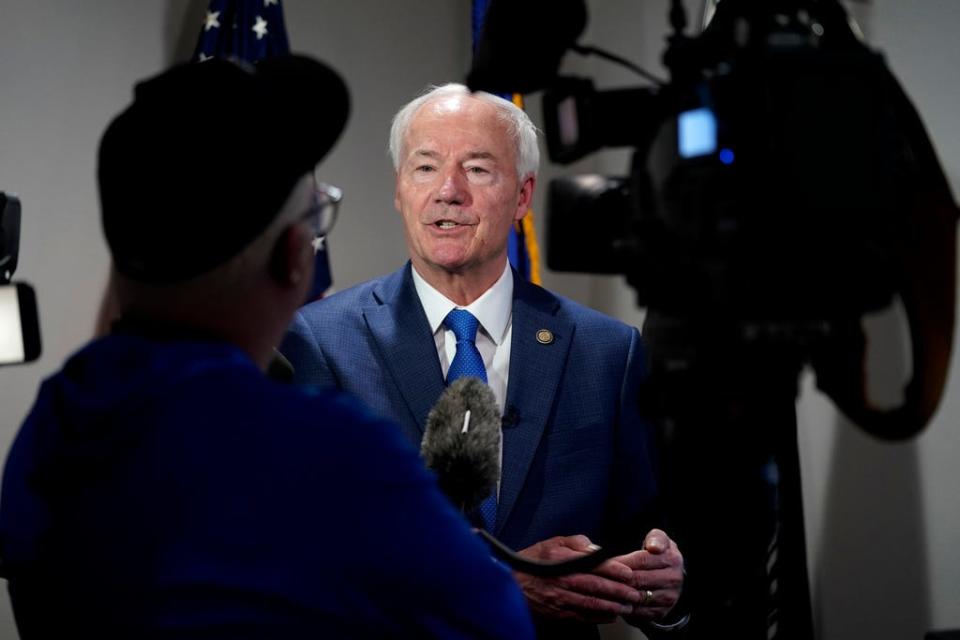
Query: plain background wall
x=883 y=526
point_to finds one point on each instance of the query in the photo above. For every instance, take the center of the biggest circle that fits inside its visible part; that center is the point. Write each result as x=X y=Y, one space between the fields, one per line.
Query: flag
x=522 y=246
x=251 y=30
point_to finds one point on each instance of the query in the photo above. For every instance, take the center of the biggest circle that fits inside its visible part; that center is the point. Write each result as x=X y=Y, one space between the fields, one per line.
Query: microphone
x=461 y=442
x=518 y=52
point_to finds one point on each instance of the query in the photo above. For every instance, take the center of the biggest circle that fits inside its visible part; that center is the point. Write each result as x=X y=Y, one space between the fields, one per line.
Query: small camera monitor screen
x=11 y=331
x=697 y=133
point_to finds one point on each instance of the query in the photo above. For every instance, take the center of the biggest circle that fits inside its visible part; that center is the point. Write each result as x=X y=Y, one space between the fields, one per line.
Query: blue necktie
x=467 y=362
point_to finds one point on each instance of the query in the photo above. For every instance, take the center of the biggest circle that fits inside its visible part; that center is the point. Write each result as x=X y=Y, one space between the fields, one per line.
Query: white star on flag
x=267 y=3
x=211 y=20
x=260 y=28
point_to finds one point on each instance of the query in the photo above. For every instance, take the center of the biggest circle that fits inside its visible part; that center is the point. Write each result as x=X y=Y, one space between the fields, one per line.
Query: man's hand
x=657 y=574
x=596 y=597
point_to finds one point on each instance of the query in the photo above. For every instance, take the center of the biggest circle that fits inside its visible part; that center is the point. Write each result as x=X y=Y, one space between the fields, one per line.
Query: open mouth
x=447 y=224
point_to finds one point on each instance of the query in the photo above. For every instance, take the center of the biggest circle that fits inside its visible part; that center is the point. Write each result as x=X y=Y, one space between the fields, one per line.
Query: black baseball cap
x=206 y=155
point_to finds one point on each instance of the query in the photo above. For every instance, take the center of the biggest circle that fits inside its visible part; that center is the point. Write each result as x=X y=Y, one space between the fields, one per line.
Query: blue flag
x=522 y=248
x=251 y=30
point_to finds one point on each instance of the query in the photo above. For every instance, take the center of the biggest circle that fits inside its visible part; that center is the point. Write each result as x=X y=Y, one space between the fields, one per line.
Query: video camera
x=776 y=139
x=777 y=180
x=781 y=186
x=19 y=327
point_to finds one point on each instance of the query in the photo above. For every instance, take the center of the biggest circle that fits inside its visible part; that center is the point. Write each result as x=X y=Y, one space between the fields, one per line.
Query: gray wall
x=883 y=525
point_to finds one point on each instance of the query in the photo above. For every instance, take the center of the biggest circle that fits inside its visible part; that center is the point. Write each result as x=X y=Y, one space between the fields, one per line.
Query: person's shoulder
x=345 y=299
x=352 y=300
x=586 y=318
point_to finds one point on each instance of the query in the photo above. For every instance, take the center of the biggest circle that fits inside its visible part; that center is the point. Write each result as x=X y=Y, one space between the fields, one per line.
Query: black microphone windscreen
x=467 y=464
x=522 y=43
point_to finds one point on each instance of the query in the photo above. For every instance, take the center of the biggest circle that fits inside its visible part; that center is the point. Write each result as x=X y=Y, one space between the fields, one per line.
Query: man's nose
x=453 y=189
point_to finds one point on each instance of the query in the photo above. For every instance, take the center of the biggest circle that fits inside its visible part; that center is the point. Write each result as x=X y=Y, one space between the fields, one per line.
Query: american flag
x=251 y=30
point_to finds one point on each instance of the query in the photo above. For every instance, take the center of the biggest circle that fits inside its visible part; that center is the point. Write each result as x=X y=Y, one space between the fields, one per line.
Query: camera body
x=769 y=179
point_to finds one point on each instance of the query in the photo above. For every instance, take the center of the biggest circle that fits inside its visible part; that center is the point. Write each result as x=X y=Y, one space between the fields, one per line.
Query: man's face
x=458 y=190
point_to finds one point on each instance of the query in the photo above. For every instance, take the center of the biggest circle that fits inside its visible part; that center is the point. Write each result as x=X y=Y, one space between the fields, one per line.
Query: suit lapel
x=401 y=331
x=536 y=367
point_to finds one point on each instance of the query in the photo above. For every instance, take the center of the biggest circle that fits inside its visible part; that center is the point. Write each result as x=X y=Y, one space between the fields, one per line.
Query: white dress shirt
x=494 y=310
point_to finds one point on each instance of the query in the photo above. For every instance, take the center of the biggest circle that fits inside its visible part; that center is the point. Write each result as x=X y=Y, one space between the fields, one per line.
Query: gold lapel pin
x=544 y=336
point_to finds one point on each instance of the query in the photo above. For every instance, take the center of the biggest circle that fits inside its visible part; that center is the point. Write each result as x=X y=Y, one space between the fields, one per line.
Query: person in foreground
x=577 y=459
x=162 y=486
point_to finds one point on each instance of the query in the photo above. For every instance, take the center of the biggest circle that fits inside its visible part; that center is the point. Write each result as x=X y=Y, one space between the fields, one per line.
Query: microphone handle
x=555 y=569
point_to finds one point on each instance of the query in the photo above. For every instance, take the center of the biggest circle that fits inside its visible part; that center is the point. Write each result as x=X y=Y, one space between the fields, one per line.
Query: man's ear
x=292 y=258
x=525 y=198
x=396 y=193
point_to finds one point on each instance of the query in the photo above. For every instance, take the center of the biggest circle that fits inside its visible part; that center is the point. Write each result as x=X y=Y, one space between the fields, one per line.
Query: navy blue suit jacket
x=577 y=457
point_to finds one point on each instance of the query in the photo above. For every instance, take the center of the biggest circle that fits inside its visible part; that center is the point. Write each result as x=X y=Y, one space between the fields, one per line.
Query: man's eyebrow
x=480 y=155
x=434 y=155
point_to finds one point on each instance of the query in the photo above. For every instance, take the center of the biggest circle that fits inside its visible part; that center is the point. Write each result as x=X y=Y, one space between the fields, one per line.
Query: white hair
x=519 y=126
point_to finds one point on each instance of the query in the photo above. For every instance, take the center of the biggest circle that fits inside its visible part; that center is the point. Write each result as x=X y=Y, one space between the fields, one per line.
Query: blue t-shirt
x=167 y=489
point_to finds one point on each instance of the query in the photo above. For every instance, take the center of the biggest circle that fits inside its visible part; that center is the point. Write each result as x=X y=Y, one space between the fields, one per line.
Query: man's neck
x=255 y=327
x=178 y=327
x=460 y=288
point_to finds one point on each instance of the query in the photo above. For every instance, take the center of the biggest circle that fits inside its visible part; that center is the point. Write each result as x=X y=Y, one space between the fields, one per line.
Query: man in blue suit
x=577 y=463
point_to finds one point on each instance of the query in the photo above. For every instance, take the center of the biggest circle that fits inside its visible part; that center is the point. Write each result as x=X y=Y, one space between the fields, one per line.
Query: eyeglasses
x=323 y=212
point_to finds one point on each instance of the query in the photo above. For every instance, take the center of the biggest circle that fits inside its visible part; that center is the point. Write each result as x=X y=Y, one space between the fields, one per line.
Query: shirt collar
x=492 y=309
